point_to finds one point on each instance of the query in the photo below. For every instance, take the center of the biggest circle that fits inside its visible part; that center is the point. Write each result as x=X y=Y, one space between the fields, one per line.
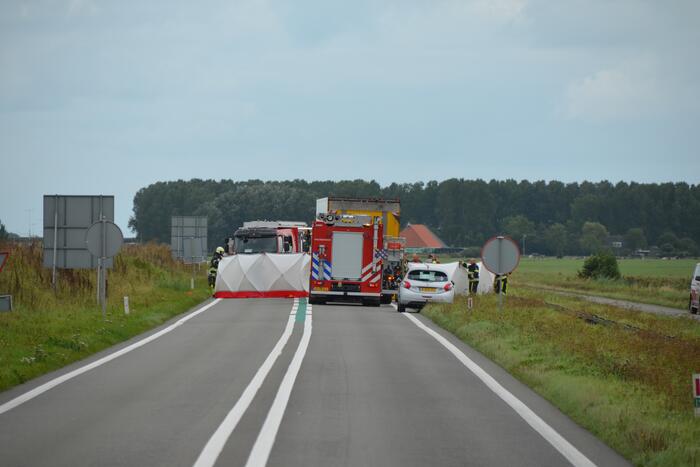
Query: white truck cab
x=694 y=303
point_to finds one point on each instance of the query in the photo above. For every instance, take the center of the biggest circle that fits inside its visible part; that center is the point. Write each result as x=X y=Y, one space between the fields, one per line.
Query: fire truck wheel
x=401 y=308
x=386 y=299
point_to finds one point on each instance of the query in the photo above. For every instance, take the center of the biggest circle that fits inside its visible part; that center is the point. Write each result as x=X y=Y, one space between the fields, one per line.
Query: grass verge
x=627 y=381
x=48 y=330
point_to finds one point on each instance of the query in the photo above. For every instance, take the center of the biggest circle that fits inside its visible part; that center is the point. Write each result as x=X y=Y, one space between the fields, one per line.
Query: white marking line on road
x=266 y=438
x=572 y=454
x=29 y=395
x=216 y=443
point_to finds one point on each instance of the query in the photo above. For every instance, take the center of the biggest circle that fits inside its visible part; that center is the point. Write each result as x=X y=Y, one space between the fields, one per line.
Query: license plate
x=428 y=289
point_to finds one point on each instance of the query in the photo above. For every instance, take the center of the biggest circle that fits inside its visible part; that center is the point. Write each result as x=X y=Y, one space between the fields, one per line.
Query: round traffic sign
x=104 y=239
x=500 y=255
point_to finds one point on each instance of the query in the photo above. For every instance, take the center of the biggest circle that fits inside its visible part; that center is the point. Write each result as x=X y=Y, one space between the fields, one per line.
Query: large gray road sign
x=66 y=222
x=104 y=239
x=193 y=251
x=184 y=228
x=500 y=255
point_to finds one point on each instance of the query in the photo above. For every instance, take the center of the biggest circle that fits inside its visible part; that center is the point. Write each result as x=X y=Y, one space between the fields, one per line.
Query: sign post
x=103 y=239
x=501 y=256
x=193 y=253
x=55 y=243
x=696 y=393
x=5 y=300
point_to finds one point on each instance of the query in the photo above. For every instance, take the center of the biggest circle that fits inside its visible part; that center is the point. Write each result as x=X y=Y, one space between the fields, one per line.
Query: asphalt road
x=245 y=381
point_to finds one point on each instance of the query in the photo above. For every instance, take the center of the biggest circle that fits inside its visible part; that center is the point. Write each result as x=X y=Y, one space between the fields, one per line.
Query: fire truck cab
x=270 y=237
x=346 y=262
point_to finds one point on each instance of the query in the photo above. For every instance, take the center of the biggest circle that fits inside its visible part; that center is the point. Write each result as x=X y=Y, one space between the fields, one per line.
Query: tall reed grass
x=50 y=328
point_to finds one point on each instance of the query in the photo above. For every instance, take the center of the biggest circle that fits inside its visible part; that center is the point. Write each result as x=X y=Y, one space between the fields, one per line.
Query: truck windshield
x=247 y=245
x=427 y=276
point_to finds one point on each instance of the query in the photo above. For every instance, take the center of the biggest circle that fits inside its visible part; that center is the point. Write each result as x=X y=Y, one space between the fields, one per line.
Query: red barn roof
x=420 y=236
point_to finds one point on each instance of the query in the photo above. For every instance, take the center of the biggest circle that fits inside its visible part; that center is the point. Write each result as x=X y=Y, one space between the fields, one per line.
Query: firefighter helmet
x=220 y=250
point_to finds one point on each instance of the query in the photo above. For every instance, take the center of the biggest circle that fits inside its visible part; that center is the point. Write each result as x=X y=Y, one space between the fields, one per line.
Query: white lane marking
x=19 y=400
x=216 y=443
x=266 y=438
x=572 y=454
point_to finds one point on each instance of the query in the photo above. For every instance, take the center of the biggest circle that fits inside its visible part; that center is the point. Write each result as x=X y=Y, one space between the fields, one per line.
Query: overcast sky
x=105 y=97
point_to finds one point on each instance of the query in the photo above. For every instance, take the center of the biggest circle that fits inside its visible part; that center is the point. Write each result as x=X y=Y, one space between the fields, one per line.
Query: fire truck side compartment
x=347 y=255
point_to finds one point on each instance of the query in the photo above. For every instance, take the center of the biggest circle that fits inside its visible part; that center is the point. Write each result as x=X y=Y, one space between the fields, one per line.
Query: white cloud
x=629 y=90
x=82 y=7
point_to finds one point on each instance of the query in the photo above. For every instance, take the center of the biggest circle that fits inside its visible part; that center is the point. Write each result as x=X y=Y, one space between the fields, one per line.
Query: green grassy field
x=654 y=281
x=628 y=383
x=48 y=330
x=673 y=268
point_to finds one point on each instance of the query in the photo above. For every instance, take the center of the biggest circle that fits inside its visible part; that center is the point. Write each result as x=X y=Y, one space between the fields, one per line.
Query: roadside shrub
x=472 y=252
x=601 y=265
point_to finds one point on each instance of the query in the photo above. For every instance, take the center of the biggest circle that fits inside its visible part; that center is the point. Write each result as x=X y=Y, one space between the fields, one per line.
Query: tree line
x=552 y=218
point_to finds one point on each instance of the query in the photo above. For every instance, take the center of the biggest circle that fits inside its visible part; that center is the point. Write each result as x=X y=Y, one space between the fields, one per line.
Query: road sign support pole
x=500 y=279
x=104 y=269
x=98 y=280
x=55 y=243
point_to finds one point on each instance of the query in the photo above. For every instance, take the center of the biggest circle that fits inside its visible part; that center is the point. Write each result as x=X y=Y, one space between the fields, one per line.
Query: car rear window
x=427 y=276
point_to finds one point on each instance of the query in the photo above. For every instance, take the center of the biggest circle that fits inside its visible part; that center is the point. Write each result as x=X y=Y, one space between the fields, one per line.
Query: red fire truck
x=270 y=237
x=346 y=259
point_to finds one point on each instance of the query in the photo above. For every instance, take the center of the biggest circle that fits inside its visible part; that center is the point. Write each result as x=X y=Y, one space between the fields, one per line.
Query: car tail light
x=448 y=286
x=407 y=284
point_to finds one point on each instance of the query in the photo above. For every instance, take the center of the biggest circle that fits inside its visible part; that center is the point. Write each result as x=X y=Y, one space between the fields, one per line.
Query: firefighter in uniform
x=214 y=265
x=500 y=283
x=473 y=275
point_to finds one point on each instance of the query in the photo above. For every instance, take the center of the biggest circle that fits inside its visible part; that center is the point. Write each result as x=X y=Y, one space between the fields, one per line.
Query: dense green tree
x=635 y=239
x=667 y=238
x=593 y=236
x=4 y=235
x=519 y=228
x=462 y=212
x=556 y=237
x=686 y=247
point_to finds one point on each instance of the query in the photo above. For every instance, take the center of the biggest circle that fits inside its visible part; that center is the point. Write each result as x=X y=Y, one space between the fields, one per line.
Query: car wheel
x=401 y=308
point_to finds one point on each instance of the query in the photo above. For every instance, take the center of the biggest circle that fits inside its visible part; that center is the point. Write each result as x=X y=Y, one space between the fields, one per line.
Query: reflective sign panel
x=67 y=220
x=188 y=239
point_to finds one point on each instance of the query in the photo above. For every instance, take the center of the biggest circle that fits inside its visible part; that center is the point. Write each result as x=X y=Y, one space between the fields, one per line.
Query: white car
x=694 y=303
x=424 y=283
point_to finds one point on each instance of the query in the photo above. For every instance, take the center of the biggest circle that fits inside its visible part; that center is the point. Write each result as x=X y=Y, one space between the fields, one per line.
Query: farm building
x=420 y=237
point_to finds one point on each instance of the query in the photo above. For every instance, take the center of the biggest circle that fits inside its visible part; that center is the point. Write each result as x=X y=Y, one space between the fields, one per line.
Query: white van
x=694 y=303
